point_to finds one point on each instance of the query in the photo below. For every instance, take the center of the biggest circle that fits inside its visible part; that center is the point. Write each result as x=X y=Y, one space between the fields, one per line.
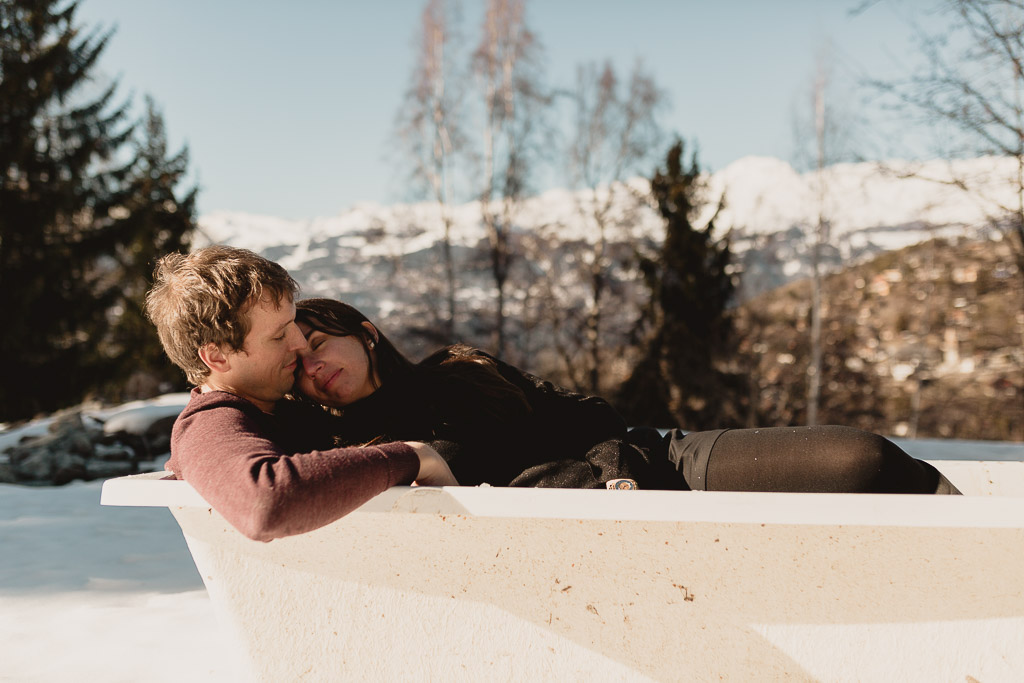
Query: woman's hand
x=434 y=471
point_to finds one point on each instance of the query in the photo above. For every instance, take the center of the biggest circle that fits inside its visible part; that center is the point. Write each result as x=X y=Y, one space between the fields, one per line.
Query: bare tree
x=824 y=131
x=971 y=88
x=820 y=239
x=613 y=132
x=506 y=64
x=429 y=123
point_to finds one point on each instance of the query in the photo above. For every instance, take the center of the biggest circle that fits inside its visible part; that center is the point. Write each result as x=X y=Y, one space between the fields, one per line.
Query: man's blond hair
x=204 y=297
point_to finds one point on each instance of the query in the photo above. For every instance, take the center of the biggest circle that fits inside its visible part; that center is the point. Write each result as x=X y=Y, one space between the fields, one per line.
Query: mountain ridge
x=763 y=195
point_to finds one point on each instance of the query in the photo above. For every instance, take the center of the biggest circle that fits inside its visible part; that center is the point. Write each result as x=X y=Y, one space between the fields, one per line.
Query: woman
x=498 y=425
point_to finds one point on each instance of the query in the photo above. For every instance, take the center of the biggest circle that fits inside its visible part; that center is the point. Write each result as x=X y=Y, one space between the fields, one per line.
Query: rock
x=158 y=435
x=98 y=469
x=33 y=465
x=69 y=424
x=73 y=444
x=116 y=450
x=67 y=467
x=63 y=453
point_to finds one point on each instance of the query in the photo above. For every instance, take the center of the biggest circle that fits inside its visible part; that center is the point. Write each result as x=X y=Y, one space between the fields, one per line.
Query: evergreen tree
x=680 y=380
x=73 y=232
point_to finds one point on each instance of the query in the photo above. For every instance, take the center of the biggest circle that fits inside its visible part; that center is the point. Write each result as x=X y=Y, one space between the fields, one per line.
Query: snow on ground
x=133 y=417
x=93 y=593
x=952 y=449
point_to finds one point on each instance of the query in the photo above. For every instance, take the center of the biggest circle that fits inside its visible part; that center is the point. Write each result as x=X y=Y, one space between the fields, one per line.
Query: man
x=226 y=317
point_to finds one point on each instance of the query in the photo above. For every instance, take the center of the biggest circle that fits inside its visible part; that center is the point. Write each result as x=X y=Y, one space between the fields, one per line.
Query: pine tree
x=67 y=228
x=680 y=380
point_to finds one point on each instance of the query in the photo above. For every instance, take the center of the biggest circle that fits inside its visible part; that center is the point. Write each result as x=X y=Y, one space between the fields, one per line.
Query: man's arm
x=221 y=448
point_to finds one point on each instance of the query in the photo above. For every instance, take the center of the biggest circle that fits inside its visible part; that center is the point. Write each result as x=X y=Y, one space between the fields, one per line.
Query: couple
x=364 y=418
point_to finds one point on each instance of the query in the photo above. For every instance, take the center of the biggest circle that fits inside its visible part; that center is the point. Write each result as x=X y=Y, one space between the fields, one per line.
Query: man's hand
x=434 y=470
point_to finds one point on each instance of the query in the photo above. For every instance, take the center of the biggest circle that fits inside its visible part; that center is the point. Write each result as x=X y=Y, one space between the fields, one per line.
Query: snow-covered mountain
x=386 y=259
x=870 y=207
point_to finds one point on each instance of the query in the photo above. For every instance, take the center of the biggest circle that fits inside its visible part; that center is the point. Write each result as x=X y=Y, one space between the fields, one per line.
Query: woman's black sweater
x=555 y=439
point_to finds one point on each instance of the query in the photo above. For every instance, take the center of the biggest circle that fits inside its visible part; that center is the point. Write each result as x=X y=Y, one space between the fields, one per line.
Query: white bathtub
x=551 y=584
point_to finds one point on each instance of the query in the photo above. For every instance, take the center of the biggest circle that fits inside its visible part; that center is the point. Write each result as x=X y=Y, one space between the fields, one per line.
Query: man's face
x=264 y=370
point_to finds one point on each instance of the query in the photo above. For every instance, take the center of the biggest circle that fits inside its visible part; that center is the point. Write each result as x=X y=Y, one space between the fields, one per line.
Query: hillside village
x=926 y=341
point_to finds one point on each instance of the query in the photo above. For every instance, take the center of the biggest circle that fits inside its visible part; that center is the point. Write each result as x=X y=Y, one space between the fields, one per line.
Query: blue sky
x=288 y=109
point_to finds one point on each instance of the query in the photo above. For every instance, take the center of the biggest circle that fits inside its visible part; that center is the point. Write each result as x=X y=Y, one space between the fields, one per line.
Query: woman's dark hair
x=458 y=368
x=340 y=320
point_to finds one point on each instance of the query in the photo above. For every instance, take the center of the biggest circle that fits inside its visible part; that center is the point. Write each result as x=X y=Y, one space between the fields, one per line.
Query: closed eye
x=317 y=338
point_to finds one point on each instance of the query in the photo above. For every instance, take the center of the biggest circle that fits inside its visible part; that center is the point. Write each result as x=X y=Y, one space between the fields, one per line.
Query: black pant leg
x=825 y=459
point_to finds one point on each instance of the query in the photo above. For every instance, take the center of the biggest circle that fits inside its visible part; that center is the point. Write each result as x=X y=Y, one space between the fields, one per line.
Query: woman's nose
x=310 y=365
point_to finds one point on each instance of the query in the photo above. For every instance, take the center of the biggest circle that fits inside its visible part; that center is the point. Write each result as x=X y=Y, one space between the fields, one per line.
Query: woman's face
x=335 y=370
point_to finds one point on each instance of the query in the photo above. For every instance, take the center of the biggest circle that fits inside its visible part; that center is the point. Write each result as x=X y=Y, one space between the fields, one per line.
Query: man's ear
x=372 y=331
x=214 y=358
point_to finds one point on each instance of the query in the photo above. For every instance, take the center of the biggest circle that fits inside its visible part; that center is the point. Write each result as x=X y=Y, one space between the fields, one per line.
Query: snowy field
x=91 y=593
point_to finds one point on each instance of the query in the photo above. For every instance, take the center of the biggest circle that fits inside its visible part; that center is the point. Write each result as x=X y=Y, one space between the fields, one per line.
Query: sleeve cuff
x=403 y=465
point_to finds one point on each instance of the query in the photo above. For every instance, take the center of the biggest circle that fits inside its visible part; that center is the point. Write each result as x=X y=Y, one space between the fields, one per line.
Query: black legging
x=827 y=459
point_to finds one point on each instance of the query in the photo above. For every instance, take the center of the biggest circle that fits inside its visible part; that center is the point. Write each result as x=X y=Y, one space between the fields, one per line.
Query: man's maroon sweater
x=266 y=478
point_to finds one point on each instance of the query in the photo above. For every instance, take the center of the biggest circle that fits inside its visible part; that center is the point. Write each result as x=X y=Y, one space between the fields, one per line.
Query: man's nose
x=298 y=341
